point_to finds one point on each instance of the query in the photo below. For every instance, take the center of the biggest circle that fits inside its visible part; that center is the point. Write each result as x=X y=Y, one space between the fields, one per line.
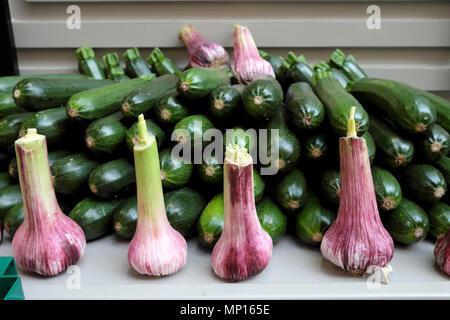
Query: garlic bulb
x=48 y=241
x=248 y=64
x=244 y=248
x=357 y=241
x=156 y=249
x=442 y=252
x=202 y=53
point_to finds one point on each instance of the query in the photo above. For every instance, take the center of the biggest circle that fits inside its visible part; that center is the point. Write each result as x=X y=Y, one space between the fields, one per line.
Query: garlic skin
x=48 y=241
x=202 y=53
x=244 y=249
x=442 y=253
x=248 y=64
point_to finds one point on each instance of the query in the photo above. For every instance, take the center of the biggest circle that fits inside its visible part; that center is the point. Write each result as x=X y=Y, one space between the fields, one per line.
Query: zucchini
x=14 y=218
x=262 y=98
x=94 y=216
x=291 y=191
x=9 y=197
x=331 y=186
x=112 y=179
x=304 y=109
x=187 y=129
x=442 y=107
x=279 y=66
x=340 y=76
x=348 y=65
x=210 y=223
x=242 y=137
x=224 y=102
x=313 y=221
x=175 y=173
x=38 y=94
x=338 y=102
x=161 y=64
x=135 y=66
x=8 y=83
x=258 y=186
x=272 y=219
x=10 y=127
x=396 y=151
x=169 y=110
x=409 y=110
x=197 y=83
x=371 y=149
x=435 y=143
x=113 y=70
x=125 y=218
x=143 y=99
x=210 y=170
x=183 y=207
x=424 y=182
x=99 y=102
x=132 y=135
x=8 y=106
x=106 y=135
x=52 y=123
x=70 y=174
x=4 y=180
x=53 y=156
x=408 y=223
x=298 y=69
x=443 y=165
x=439 y=216
x=387 y=189
x=88 y=64
x=316 y=147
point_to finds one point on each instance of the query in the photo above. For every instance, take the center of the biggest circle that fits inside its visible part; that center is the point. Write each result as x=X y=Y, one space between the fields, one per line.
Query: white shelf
x=295 y=272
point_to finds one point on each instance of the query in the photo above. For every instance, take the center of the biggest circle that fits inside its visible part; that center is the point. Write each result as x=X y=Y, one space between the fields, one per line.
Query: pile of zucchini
x=90 y=119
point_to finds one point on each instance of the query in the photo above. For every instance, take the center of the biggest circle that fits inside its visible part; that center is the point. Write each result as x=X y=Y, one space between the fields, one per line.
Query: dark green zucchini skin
x=210 y=170
x=262 y=98
x=169 y=110
x=348 y=65
x=224 y=101
x=371 y=147
x=161 y=64
x=4 y=180
x=298 y=69
x=424 y=182
x=14 y=218
x=174 y=172
x=94 y=216
x=210 y=223
x=183 y=207
x=8 y=106
x=197 y=83
x=70 y=174
x=279 y=66
x=442 y=108
x=435 y=143
x=112 y=179
x=409 y=110
x=8 y=83
x=340 y=76
x=395 y=151
x=291 y=191
x=443 y=164
x=331 y=186
x=113 y=70
x=10 y=127
x=88 y=64
x=186 y=129
x=125 y=218
x=439 y=216
x=52 y=123
x=105 y=135
x=143 y=99
x=304 y=108
x=313 y=221
x=316 y=147
x=387 y=189
x=135 y=66
x=338 y=102
x=9 y=197
x=258 y=186
x=408 y=223
x=38 y=94
x=132 y=136
x=272 y=219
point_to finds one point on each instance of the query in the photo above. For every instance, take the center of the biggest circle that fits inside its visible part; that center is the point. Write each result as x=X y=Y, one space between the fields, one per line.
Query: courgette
x=258 y=186
x=442 y=107
x=272 y=219
x=135 y=66
x=371 y=148
x=8 y=105
x=8 y=83
x=197 y=83
x=210 y=170
x=4 y=180
x=169 y=110
x=439 y=216
x=88 y=64
x=161 y=64
x=132 y=135
x=10 y=127
x=9 y=197
x=291 y=191
x=316 y=147
x=424 y=182
x=113 y=70
x=175 y=173
x=106 y=135
x=210 y=223
x=339 y=75
x=387 y=189
x=224 y=102
x=348 y=65
x=331 y=186
x=435 y=143
x=14 y=218
x=190 y=128
x=298 y=69
x=125 y=218
x=279 y=66
x=443 y=165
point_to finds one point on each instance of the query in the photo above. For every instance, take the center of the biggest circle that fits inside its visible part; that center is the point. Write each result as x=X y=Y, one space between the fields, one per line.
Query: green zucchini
x=272 y=219
x=106 y=135
x=408 y=223
x=210 y=170
x=435 y=143
x=52 y=123
x=132 y=135
x=443 y=165
x=424 y=182
x=316 y=147
x=88 y=64
x=143 y=99
x=210 y=223
x=9 y=197
x=371 y=149
x=175 y=173
x=331 y=186
x=112 y=179
x=338 y=102
x=305 y=110
x=169 y=110
x=224 y=102
x=161 y=64
x=125 y=218
x=135 y=66
x=262 y=98
x=183 y=207
x=197 y=83
x=387 y=189
x=14 y=218
x=4 y=180
x=279 y=66
x=113 y=70
x=8 y=106
x=53 y=156
x=442 y=107
x=187 y=129
x=396 y=151
x=348 y=65
x=291 y=191
x=439 y=216
x=339 y=75
x=10 y=127
x=298 y=69
x=258 y=186
x=38 y=94
x=409 y=110
x=70 y=174
x=246 y=138
x=99 y=102
x=94 y=216
x=313 y=221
